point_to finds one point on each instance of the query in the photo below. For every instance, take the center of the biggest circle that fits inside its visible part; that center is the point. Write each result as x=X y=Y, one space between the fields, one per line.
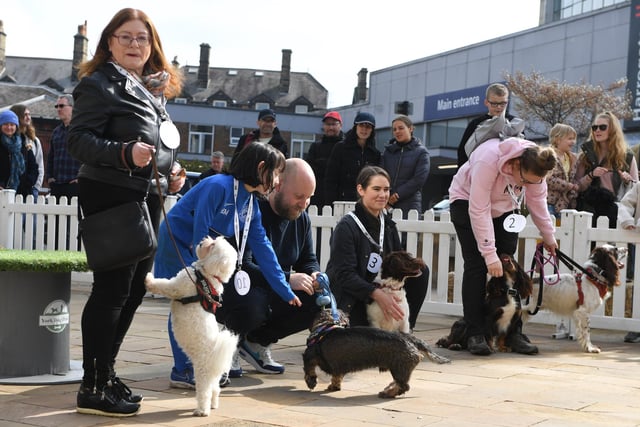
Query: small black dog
x=338 y=350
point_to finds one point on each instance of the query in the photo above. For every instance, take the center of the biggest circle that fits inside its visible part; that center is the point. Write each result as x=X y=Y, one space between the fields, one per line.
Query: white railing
x=43 y=224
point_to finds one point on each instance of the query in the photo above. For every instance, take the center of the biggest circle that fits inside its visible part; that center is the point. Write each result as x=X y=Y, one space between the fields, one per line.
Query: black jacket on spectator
x=276 y=141
x=346 y=160
x=318 y=157
x=471 y=127
x=28 y=178
x=408 y=166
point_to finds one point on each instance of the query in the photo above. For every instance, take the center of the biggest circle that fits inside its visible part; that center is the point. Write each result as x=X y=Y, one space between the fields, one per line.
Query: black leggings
x=115 y=294
x=475 y=267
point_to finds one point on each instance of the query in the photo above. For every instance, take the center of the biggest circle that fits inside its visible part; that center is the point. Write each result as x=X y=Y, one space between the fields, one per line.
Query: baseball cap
x=363 y=117
x=332 y=115
x=266 y=113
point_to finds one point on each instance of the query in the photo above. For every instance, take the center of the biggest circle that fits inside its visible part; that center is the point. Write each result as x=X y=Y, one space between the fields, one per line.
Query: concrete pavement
x=561 y=386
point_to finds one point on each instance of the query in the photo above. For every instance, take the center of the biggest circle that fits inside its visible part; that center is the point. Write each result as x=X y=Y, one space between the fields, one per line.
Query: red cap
x=332 y=115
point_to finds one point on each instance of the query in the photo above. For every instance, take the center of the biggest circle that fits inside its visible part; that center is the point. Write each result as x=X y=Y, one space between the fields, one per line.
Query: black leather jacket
x=109 y=113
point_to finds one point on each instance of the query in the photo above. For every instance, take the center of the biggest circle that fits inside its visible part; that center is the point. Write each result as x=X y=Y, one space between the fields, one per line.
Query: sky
x=331 y=40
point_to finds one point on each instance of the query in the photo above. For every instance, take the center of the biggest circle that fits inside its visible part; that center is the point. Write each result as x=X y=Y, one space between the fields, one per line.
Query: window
x=301 y=109
x=300 y=143
x=219 y=103
x=234 y=136
x=200 y=139
x=262 y=105
x=568 y=8
x=447 y=133
x=180 y=100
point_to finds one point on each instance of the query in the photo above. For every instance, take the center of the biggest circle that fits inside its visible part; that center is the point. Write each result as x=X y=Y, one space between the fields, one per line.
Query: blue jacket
x=408 y=165
x=208 y=209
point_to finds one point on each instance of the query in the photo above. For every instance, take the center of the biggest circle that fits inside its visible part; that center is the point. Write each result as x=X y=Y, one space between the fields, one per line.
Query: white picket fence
x=43 y=224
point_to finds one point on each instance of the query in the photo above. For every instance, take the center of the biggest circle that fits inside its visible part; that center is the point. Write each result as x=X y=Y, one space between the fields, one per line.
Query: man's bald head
x=292 y=195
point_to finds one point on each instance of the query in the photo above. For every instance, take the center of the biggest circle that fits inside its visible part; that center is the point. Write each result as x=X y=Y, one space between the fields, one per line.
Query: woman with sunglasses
x=486 y=196
x=606 y=167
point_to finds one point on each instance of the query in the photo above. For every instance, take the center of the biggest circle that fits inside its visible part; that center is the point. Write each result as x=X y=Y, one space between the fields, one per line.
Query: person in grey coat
x=406 y=160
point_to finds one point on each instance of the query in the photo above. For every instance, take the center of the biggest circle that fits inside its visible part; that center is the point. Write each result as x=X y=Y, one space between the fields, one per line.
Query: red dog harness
x=207 y=295
x=601 y=286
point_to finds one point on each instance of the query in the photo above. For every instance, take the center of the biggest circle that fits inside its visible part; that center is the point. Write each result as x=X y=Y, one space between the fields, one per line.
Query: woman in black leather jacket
x=114 y=132
x=349 y=268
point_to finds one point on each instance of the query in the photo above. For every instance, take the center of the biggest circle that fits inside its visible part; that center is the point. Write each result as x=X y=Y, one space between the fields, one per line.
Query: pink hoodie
x=483 y=181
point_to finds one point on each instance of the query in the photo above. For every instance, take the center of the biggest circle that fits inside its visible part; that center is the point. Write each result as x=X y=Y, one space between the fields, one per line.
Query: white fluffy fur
x=375 y=314
x=560 y=298
x=197 y=332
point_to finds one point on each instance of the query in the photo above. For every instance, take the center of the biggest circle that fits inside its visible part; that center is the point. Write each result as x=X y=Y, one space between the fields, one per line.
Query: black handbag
x=118 y=236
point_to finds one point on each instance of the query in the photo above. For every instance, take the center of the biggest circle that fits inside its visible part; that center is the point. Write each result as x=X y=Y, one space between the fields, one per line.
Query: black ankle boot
x=519 y=343
x=104 y=402
x=120 y=389
x=477 y=345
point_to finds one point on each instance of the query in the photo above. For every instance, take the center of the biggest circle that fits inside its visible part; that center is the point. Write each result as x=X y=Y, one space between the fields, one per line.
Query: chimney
x=285 y=73
x=203 y=69
x=80 y=43
x=175 y=62
x=3 y=47
x=360 y=94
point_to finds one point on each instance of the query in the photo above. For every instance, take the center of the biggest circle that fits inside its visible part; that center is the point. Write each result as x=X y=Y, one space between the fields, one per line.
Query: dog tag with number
x=242 y=283
x=514 y=223
x=375 y=261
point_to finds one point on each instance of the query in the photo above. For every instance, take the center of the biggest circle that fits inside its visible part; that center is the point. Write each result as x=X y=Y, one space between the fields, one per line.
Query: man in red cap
x=319 y=152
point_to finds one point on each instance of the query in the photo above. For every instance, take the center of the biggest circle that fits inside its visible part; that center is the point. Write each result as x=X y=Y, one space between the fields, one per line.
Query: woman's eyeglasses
x=601 y=127
x=127 y=40
x=526 y=181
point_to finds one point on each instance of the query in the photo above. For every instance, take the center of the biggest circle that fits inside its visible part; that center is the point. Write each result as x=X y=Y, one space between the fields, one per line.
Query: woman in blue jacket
x=210 y=209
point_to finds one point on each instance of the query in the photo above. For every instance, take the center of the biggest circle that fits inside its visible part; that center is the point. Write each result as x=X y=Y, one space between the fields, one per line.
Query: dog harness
x=594 y=278
x=321 y=332
x=207 y=295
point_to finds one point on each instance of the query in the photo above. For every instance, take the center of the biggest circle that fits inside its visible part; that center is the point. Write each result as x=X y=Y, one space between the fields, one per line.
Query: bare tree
x=547 y=102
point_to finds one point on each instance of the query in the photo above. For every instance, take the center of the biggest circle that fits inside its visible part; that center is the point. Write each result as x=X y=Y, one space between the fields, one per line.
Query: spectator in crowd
x=217 y=163
x=319 y=153
x=62 y=168
x=267 y=133
x=496 y=100
x=606 y=169
x=360 y=240
x=28 y=133
x=261 y=317
x=348 y=157
x=115 y=134
x=18 y=167
x=486 y=196
x=215 y=207
x=406 y=160
x=562 y=190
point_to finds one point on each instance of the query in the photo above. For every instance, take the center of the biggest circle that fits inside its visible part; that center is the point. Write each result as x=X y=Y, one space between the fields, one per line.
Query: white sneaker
x=259 y=357
x=236 y=369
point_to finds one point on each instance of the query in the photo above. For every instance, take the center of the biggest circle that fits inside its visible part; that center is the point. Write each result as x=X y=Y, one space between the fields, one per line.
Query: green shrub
x=52 y=261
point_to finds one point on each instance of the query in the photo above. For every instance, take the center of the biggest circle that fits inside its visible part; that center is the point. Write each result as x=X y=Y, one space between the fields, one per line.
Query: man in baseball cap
x=267 y=133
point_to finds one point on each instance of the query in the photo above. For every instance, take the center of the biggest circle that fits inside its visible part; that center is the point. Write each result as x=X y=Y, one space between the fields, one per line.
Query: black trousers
x=262 y=316
x=115 y=294
x=475 y=268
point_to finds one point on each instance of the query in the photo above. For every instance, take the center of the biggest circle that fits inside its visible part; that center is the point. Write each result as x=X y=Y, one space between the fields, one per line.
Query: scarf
x=14 y=145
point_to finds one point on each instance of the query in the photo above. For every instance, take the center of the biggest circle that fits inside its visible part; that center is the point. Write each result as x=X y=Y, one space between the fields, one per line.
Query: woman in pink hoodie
x=486 y=196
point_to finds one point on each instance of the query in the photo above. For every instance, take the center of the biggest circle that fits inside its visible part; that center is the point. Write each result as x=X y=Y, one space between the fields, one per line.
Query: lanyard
x=517 y=199
x=236 y=222
x=366 y=233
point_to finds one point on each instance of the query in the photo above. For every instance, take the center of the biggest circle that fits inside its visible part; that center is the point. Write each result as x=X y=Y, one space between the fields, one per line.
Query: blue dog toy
x=325 y=297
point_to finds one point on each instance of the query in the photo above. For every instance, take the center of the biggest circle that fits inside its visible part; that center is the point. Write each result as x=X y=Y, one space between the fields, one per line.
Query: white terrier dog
x=196 y=329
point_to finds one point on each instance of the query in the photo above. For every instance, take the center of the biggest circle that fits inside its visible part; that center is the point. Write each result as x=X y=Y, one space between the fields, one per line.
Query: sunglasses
x=601 y=127
x=57 y=106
